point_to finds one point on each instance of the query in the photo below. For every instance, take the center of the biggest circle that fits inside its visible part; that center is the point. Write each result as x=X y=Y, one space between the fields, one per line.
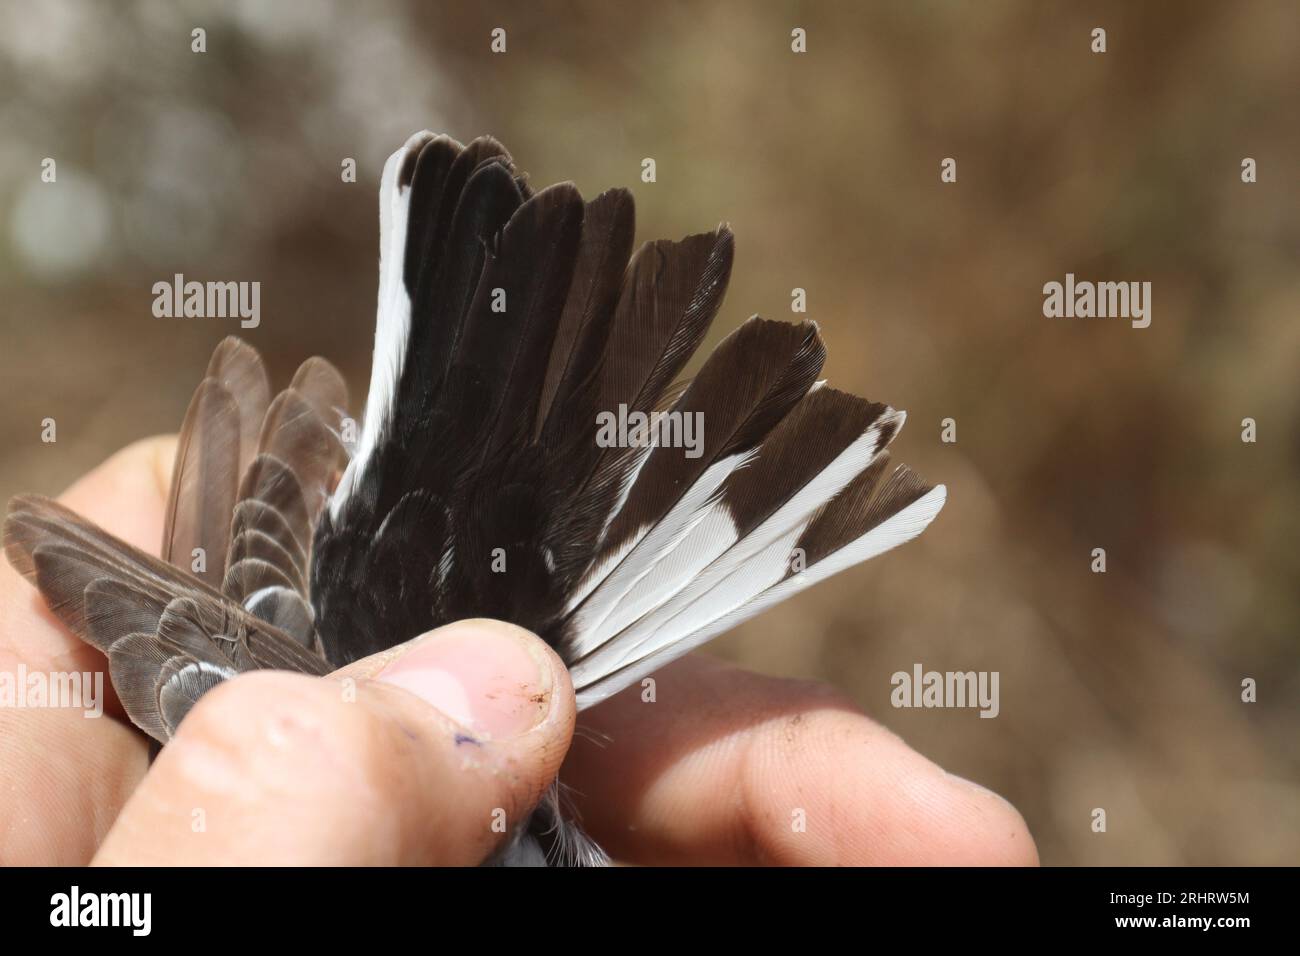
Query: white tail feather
x=646 y=552
x=593 y=686
x=726 y=554
x=393 y=322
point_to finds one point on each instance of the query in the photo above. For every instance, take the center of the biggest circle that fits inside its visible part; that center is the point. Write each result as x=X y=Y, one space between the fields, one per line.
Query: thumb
x=430 y=753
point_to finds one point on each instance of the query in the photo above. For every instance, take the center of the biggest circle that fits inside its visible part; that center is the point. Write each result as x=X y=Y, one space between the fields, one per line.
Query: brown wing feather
x=205 y=478
x=166 y=632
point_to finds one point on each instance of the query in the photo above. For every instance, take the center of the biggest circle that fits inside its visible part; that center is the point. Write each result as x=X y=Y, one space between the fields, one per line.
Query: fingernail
x=491 y=679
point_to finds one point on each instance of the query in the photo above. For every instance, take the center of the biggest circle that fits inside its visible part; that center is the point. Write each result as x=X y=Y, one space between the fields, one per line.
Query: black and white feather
x=508 y=321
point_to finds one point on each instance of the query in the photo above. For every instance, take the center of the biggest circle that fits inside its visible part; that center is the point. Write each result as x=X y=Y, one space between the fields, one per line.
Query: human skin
x=420 y=754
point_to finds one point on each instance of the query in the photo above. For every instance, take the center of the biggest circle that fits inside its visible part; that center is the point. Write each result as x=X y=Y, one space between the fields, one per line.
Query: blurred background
x=1119 y=690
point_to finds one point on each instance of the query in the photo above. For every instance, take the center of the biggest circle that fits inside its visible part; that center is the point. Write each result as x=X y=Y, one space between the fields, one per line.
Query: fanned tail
x=510 y=326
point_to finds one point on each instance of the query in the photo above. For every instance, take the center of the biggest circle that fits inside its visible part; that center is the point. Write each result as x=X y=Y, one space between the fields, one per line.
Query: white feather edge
x=392 y=322
x=726 y=552
x=676 y=551
x=602 y=570
x=907 y=523
x=649 y=546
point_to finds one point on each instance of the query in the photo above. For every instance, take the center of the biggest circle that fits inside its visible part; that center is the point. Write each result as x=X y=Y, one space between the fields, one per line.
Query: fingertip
x=935 y=818
x=998 y=833
x=492 y=678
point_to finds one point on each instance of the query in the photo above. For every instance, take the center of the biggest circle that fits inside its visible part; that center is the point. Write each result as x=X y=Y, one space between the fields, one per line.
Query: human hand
x=356 y=768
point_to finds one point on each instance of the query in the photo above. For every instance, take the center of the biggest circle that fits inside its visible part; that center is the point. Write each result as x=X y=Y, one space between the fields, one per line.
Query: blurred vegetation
x=1119 y=690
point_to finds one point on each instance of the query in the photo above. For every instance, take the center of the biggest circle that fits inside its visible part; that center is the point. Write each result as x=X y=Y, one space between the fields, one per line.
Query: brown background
x=1119 y=690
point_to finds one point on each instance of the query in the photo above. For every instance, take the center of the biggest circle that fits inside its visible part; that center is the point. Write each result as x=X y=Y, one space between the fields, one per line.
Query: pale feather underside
x=508 y=321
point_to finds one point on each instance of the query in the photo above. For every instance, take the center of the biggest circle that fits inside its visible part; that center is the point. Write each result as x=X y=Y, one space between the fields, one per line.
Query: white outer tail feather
x=646 y=554
x=699 y=592
x=393 y=321
x=593 y=686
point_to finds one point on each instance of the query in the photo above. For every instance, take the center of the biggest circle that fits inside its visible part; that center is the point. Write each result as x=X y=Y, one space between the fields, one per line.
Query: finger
x=730 y=767
x=77 y=765
x=425 y=754
x=126 y=495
